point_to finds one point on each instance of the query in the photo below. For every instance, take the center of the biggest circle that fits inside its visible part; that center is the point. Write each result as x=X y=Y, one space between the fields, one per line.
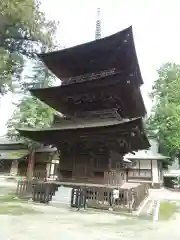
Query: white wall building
x=147 y=165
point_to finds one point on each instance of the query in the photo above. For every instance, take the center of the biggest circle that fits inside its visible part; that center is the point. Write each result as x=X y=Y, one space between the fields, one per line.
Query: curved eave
x=131 y=97
x=103 y=132
x=115 y=51
x=149 y=158
x=82 y=87
x=13 y=154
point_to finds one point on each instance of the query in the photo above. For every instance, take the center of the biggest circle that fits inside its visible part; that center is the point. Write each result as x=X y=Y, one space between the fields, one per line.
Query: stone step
x=62 y=196
x=147 y=210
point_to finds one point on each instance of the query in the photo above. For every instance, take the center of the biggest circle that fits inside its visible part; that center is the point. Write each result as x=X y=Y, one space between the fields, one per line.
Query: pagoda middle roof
x=113 y=52
x=58 y=97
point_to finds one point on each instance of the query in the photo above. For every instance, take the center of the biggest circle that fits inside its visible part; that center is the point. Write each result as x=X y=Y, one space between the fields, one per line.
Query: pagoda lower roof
x=113 y=52
x=102 y=131
x=81 y=124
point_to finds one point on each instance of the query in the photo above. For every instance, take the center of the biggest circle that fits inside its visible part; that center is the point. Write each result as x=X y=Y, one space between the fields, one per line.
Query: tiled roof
x=146 y=155
x=4 y=140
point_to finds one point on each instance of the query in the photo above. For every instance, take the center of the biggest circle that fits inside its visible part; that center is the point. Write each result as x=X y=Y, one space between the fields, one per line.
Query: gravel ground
x=54 y=223
x=60 y=223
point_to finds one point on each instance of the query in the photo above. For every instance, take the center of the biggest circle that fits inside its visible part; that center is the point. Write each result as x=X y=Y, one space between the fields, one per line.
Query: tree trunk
x=30 y=166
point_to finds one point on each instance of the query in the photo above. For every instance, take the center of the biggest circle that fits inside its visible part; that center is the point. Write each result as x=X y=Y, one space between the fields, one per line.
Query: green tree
x=31 y=113
x=164 y=121
x=24 y=31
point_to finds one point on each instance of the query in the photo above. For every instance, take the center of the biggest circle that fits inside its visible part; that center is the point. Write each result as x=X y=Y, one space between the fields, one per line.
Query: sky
x=156 y=29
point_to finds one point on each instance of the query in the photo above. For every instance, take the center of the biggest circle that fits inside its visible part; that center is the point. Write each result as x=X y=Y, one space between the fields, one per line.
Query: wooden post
x=126 y=174
x=30 y=168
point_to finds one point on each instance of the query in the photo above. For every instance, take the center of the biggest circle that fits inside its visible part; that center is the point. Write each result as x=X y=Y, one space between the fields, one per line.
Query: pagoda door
x=81 y=167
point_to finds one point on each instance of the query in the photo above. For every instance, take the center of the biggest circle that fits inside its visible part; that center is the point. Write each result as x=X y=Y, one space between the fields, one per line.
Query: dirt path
x=164 y=194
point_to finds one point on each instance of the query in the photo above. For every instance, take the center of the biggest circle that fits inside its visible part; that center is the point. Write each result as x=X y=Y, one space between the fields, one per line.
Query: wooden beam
x=30 y=168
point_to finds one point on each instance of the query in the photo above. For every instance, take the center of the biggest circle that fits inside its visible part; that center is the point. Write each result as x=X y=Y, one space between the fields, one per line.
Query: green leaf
x=165 y=116
x=24 y=31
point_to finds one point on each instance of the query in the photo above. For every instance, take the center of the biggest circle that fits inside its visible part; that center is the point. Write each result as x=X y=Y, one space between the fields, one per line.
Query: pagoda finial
x=98 y=25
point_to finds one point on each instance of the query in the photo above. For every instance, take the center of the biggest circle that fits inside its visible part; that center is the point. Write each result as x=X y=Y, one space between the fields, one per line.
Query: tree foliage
x=164 y=120
x=29 y=113
x=24 y=31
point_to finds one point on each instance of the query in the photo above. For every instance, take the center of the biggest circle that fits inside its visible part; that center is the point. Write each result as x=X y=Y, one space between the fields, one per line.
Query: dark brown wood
x=116 y=178
x=100 y=96
x=93 y=196
x=30 y=166
x=115 y=51
x=125 y=98
x=151 y=171
x=130 y=132
x=102 y=198
x=80 y=165
x=139 y=165
x=24 y=188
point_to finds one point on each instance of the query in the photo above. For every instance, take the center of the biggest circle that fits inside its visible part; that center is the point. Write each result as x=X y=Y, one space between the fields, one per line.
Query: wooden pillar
x=91 y=157
x=48 y=169
x=30 y=169
x=151 y=171
x=109 y=160
x=127 y=170
x=14 y=168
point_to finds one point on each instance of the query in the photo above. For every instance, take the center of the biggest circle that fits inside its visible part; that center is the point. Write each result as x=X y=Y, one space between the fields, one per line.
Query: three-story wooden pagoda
x=102 y=108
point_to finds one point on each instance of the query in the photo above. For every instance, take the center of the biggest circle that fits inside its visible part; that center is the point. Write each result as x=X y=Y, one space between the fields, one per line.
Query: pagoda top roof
x=116 y=52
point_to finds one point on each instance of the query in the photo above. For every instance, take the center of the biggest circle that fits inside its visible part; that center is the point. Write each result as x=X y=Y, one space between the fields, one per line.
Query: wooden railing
x=39 y=175
x=39 y=191
x=92 y=197
x=42 y=175
x=90 y=76
x=114 y=178
x=24 y=188
x=139 y=194
x=102 y=198
x=43 y=192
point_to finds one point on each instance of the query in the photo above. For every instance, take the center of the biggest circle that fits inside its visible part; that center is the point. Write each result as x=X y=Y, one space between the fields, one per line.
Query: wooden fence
x=24 y=188
x=139 y=194
x=102 y=198
x=39 y=175
x=114 y=178
x=43 y=192
x=86 y=196
x=39 y=192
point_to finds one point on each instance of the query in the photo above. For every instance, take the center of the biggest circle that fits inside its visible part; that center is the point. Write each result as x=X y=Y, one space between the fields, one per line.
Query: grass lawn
x=166 y=210
x=8 y=198
x=10 y=205
x=15 y=210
